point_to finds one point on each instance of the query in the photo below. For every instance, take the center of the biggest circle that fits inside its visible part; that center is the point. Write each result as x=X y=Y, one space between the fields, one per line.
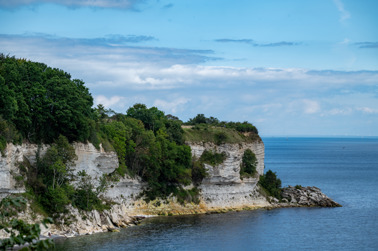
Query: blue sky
x=291 y=67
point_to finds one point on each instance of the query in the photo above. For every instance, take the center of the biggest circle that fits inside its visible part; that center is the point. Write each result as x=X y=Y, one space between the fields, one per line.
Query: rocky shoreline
x=117 y=218
x=222 y=191
x=113 y=220
x=299 y=196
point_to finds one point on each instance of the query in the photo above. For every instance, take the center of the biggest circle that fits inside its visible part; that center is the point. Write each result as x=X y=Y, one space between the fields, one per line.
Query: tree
x=55 y=166
x=199 y=119
x=271 y=184
x=249 y=162
x=152 y=118
x=43 y=102
x=86 y=196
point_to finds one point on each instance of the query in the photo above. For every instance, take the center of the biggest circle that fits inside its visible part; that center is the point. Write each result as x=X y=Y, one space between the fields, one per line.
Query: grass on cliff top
x=217 y=135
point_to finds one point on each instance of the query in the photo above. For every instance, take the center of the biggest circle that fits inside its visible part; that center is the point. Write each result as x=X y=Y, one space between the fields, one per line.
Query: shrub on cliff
x=199 y=172
x=248 y=165
x=213 y=158
x=49 y=182
x=86 y=196
x=271 y=184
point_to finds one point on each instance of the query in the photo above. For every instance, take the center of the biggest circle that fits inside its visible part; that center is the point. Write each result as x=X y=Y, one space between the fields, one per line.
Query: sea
x=345 y=169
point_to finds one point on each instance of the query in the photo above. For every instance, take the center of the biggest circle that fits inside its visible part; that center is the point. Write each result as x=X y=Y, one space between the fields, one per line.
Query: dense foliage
x=149 y=144
x=43 y=103
x=248 y=165
x=271 y=184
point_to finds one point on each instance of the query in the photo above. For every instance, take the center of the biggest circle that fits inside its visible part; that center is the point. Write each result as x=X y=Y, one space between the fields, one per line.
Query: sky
x=292 y=68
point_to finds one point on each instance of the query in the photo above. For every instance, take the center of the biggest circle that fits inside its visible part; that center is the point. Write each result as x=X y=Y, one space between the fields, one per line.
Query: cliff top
x=217 y=135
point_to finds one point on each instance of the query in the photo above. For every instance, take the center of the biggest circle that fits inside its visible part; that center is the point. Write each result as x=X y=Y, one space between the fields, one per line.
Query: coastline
x=304 y=197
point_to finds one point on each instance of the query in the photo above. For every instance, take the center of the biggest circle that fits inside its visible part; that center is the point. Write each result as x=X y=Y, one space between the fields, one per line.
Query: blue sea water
x=346 y=169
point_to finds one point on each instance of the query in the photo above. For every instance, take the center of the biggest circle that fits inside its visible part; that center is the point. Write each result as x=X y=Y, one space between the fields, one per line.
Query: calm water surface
x=346 y=169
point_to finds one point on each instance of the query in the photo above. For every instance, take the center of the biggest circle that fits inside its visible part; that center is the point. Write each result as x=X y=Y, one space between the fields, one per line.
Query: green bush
x=248 y=165
x=271 y=184
x=199 y=172
x=188 y=196
x=298 y=186
x=220 y=138
x=86 y=196
x=212 y=158
x=55 y=200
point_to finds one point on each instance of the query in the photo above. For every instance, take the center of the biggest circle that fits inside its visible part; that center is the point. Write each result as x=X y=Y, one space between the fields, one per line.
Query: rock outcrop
x=307 y=197
x=9 y=166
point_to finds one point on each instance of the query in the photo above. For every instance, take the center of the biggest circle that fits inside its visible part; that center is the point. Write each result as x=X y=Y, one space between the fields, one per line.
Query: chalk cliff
x=222 y=190
x=223 y=187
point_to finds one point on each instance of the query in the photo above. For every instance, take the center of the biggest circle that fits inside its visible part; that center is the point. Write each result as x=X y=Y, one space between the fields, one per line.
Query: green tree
x=50 y=177
x=152 y=118
x=86 y=195
x=199 y=119
x=271 y=184
x=43 y=102
x=248 y=165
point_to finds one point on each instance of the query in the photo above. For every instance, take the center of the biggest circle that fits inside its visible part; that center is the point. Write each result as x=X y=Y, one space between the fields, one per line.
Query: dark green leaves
x=271 y=184
x=248 y=165
x=43 y=102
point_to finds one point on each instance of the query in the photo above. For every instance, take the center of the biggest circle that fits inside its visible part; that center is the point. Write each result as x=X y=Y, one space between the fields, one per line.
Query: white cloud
x=368 y=110
x=114 y=101
x=148 y=68
x=171 y=106
x=344 y=14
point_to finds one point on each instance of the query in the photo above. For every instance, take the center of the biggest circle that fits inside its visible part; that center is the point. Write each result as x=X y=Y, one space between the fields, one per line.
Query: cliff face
x=94 y=162
x=9 y=170
x=223 y=187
